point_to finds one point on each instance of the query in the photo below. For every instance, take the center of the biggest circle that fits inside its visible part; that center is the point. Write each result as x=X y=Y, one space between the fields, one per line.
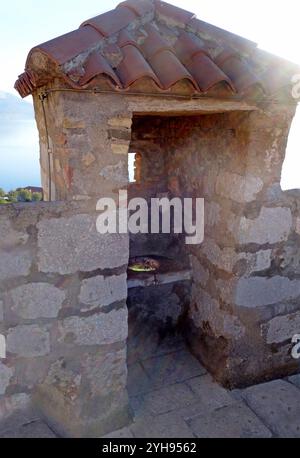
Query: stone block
x=99 y=329
x=207 y=309
x=17 y=405
x=69 y=245
x=272 y=226
x=6 y=374
x=237 y=187
x=100 y=291
x=210 y=394
x=28 y=341
x=173 y=368
x=282 y=328
x=200 y=274
x=15 y=264
x=32 y=430
x=37 y=300
x=9 y=237
x=260 y=291
x=164 y=426
x=277 y=404
x=168 y=398
x=231 y=422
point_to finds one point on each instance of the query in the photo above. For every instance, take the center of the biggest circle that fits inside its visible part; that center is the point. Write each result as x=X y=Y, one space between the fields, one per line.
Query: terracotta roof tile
x=186 y=46
x=168 y=46
x=238 y=70
x=70 y=45
x=125 y=38
x=207 y=73
x=139 y=7
x=97 y=65
x=173 y=12
x=25 y=84
x=169 y=69
x=112 y=22
x=213 y=31
x=154 y=42
x=134 y=67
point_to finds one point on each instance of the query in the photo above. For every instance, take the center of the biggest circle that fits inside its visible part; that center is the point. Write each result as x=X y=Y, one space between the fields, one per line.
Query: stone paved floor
x=172 y=396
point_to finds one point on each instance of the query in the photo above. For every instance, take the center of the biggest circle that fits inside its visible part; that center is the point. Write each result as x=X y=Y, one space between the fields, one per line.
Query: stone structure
x=207 y=124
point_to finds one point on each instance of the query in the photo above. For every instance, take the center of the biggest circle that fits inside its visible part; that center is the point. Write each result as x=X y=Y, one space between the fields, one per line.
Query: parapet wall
x=64 y=316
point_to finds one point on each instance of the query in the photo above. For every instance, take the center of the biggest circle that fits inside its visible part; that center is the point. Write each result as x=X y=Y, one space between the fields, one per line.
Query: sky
x=274 y=25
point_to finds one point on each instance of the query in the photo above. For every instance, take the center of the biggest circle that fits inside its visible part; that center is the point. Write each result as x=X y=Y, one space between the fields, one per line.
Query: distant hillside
x=14 y=108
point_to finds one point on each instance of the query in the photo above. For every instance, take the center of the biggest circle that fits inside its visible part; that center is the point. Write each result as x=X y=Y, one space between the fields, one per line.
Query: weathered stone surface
x=32 y=430
x=14 y=264
x=172 y=368
x=167 y=425
x=212 y=214
x=68 y=245
x=277 y=403
x=6 y=374
x=237 y=187
x=210 y=394
x=223 y=259
x=260 y=291
x=100 y=291
x=120 y=148
x=37 y=300
x=272 y=226
x=256 y=262
x=118 y=172
x=9 y=237
x=120 y=121
x=106 y=372
x=295 y=379
x=1 y=311
x=282 y=328
x=200 y=275
x=159 y=401
x=208 y=310
x=28 y=341
x=234 y=421
x=99 y=329
x=14 y=404
x=298 y=226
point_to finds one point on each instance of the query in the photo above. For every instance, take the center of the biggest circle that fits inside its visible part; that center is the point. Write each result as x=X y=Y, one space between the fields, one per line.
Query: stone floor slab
x=173 y=368
x=124 y=433
x=277 y=404
x=34 y=430
x=295 y=380
x=162 y=426
x=167 y=399
x=210 y=395
x=235 y=421
x=138 y=381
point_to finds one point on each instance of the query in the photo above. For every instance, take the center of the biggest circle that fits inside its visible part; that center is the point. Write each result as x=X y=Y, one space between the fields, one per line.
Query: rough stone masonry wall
x=63 y=285
x=245 y=297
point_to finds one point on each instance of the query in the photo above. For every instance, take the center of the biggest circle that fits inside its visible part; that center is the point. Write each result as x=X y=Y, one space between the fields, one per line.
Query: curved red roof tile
x=139 y=7
x=207 y=73
x=169 y=69
x=240 y=73
x=97 y=65
x=173 y=12
x=70 y=45
x=134 y=67
x=111 y=22
x=154 y=42
x=125 y=38
x=187 y=46
x=150 y=38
